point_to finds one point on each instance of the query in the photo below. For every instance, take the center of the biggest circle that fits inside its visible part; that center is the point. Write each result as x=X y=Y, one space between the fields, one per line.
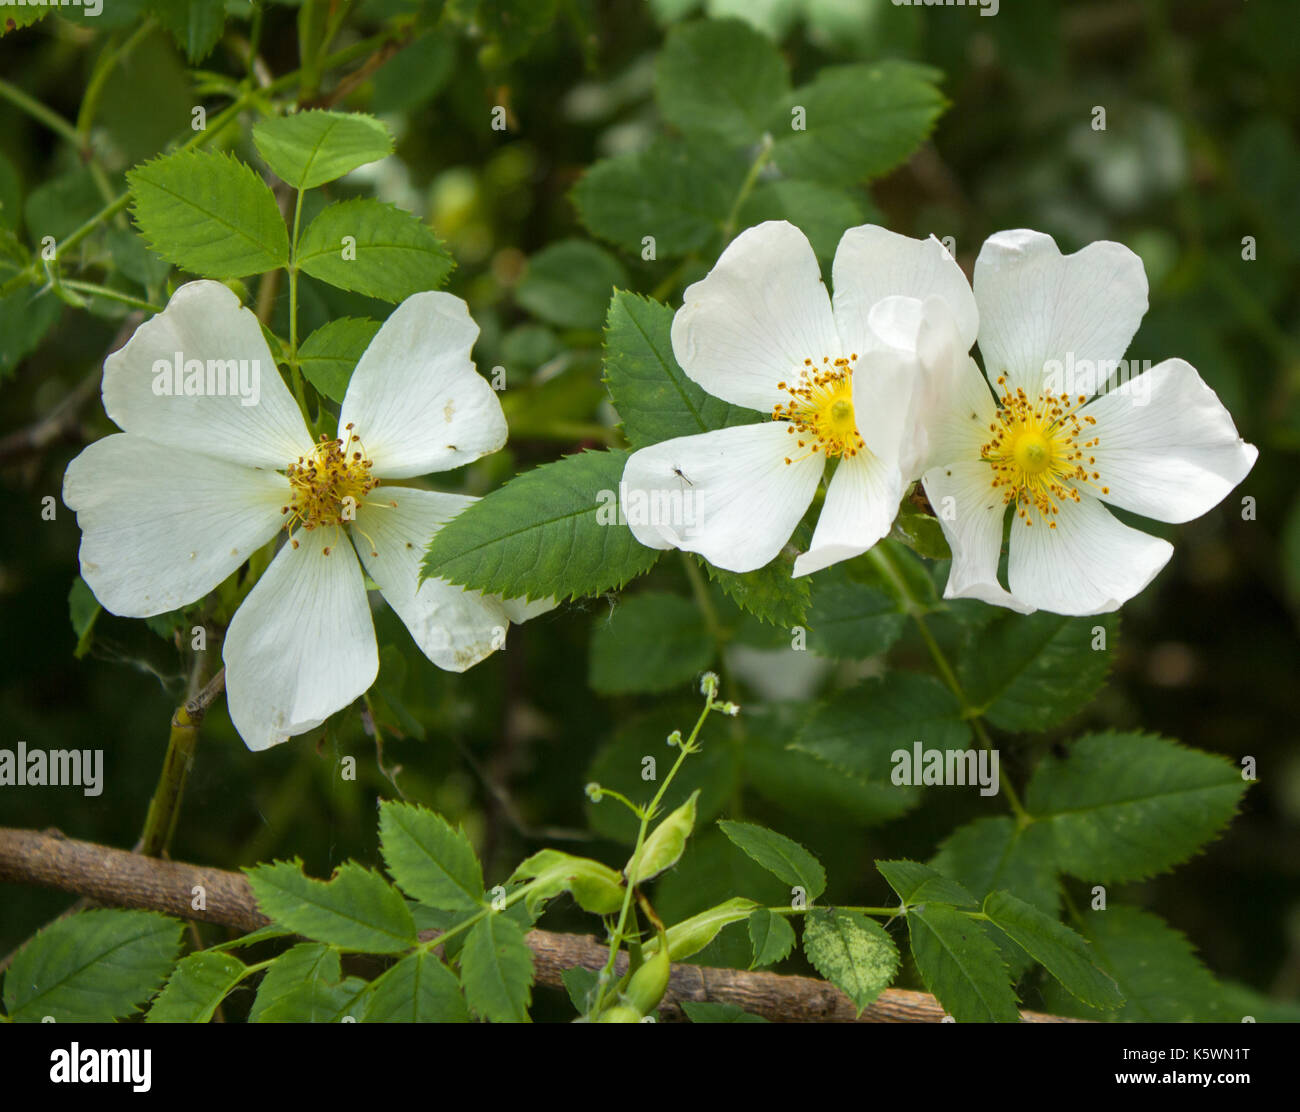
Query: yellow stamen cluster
x=1039 y=452
x=820 y=410
x=328 y=485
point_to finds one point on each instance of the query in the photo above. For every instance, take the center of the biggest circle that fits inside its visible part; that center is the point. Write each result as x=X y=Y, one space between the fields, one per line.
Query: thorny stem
x=164 y=807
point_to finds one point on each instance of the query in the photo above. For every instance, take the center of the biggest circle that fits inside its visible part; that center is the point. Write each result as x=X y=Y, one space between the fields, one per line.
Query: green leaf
x=803 y=784
x=199 y=983
x=375 y=249
x=862 y=729
x=1125 y=806
x=430 y=861
x=921 y=533
x=92 y=967
x=569 y=283
x=196 y=25
x=650 y=642
x=553 y=531
x=769 y=593
x=355 y=910
x=654 y=397
x=771 y=936
x=1032 y=671
x=513 y=25
x=1062 y=952
x=1156 y=969
x=330 y=354
x=83 y=609
x=678 y=192
x=25 y=318
x=61 y=205
x=418 y=989
x=720 y=79
x=580 y=984
x=134 y=259
x=209 y=214
x=821 y=212
x=848 y=620
x=851 y=951
x=919 y=884
x=860 y=121
x=997 y=853
x=17 y=18
x=783 y=857
x=705 y=1011
x=302 y=985
x=309 y=148
x=496 y=968
x=960 y=965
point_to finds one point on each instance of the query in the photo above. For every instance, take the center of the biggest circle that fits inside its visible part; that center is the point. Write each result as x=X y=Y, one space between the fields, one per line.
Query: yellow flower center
x=820 y=409
x=1039 y=453
x=329 y=485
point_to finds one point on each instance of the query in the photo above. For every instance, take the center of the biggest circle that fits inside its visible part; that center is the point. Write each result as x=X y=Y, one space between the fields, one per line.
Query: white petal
x=204 y=321
x=1037 y=305
x=735 y=502
x=415 y=398
x=302 y=645
x=161 y=527
x=861 y=501
x=1089 y=564
x=454 y=628
x=970 y=512
x=873 y=263
x=520 y=610
x=755 y=317
x=1168 y=449
x=955 y=420
x=909 y=378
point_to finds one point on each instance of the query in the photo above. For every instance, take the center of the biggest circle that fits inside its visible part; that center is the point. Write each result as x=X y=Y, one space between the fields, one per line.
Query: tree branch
x=116 y=877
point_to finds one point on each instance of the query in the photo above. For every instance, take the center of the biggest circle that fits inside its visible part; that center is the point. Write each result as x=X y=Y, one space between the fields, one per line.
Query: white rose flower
x=199 y=479
x=1052 y=331
x=761 y=331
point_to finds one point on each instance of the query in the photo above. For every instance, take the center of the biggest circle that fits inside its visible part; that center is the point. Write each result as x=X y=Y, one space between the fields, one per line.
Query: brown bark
x=122 y=879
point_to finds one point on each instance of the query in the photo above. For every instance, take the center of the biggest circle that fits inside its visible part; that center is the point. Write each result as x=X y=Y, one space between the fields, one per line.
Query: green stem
x=95 y=290
x=971 y=713
x=104 y=68
x=700 y=590
x=686 y=748
x=164 y=807
x=39 y=112
x=106 y=213
x=746 y=188
x=294 y=369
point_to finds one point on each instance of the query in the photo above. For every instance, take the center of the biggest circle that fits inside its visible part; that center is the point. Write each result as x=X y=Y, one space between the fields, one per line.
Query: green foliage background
x=1201 y=149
